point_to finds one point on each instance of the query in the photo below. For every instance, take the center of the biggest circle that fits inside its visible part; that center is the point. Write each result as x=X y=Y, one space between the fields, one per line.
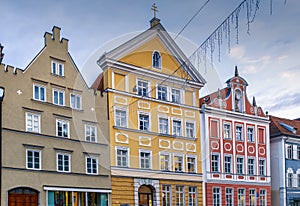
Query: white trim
x=80 y=99
x=160 y=116
x=124 y=109
x=194 y=127
x=72 y=189
x=149 y=92
x=144 y=113
x=159 y=62
x=57 y=63
x=40 y=159
x=186 y=162
x=116 y=156
x=169 y=163
x=150 y=158
x=181 y=129
x=64 y=122
x=97 y=163
x=39 y=122
x=85 y=128
x=64 y=96
x=183 y=162
x=63 y=171
x=39 y=86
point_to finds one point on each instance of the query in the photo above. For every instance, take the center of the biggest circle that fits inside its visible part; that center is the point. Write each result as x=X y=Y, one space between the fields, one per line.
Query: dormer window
x=238 y=101
x=156 y=60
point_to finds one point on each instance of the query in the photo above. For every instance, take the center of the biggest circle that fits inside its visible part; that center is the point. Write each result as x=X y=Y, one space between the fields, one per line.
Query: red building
x=235 y=144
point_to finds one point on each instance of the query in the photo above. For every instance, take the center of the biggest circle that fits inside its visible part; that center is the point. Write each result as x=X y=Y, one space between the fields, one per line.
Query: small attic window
x=156 y=60
x=288 y=127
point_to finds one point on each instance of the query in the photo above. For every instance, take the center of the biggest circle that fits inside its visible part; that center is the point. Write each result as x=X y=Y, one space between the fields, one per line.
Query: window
x=120 y=118
x=92 y=165
x=192 y=196
x=262 y=168
x=179 y=196
x=75 y=101
x=62 y=128
x=241 y=197
x=227 y=164
x=142 y=88
x=250 y=132
x=289 y=151
x=63 y=162
x=229 y=196
x=156 y=60
x=122 y=157
x=215 y=163
x=32 y=122
x=176 y=97
x=290 y=180
x=190 y=129
x=214 y=128
x=162 y=93
x=298 y=152
x=298 y=178
x=227 y=131
x=163 y=125
x=145 y=159
x=239 y=133
x=240 y=165
x=238 y=101
x=177 y=128
x=90 y=133
x=262 y=198
x=251 y=166
x=252 y=197
x=33 y=159
x=58 y=97
x=178 y=163
x=164 y=162
x=216 y=196
x=144 y=122
x=39 y=92
x=57 y=68
x=166 y=195
x=191 y=164
x=261 y=135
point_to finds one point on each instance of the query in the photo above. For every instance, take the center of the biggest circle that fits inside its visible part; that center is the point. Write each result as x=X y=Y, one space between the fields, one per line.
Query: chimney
x=1 y=53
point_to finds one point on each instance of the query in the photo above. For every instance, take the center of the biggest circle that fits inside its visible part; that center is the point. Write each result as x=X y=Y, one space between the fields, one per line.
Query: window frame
x=174 y=131
x=216 y=196
x=157 y=62
x=262 y=201
x=90 y=126
x=238 y=165
x=226 y=163
x=145 y=159
x=86 y=165
x=229 y=130
x=39 y=86
x=174 y=96
x=140 y=120
x=193 y=163
x=252 y=196
x=159 y=125
x=250 y=139
x=57 y=68
x=215 y=163
x=127 y=156
x=164 y=161
x=262 y=167
x=33 y=159
x=159 y=94
x=241 y=133
x=63 y=121
x=118 y=118
x=63 y=164
x=179 y=195
x=142 y=87
x=179 y=163
x=59 y=92
x=241 y=193
x=32 y=122
x=167 y=191
x=229 y=196
x=75 y=102
x=252 y=165
x=193 y=129
x=192 y=191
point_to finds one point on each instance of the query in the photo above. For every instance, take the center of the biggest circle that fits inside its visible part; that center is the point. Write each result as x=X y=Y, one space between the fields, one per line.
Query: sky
x=267 y=56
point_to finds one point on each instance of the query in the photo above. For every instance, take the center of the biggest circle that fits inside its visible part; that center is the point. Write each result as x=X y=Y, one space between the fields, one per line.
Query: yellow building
x=154 y=121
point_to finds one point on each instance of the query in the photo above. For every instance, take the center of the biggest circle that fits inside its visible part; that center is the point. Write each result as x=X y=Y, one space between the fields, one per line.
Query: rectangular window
x=215 y=161
x=58 y=97
x=289 y=151
x=90 y=133
x=33 y=159
x=142 y=88
x=227 y=164
x=92 y=165
x=122 y=157
x=239 y=133
x=166 y=195
x=33 y=122
x=251 y=170
x=176 y=97
x=227 y=130
x=39 y=92
x=63 y=162
x=290 y=180
x=250 y=133
x=262 y=167
x=162 y=93
x=241 y=197
x=240 y=165
x=179 y=196
x=229 y=196
x=75 y=101
x=191 y=164
x=298 y=179
x=177 y=128
x=57 y=68
x=216 y=196
x=120 y=118
x=163 y=125
x=262 y=198
x=178 y=163
x=192 y=196
x=252 y=199
x=144 y=122
x=298 y=152
x=62 y=128
x=190 y=129
x=145 y=159
x=164 y=162
x=261 y=135
x=214 y=131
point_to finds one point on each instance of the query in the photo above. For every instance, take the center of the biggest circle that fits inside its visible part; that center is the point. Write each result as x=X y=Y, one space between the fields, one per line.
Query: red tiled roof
x=98 y=83
x=280 y=126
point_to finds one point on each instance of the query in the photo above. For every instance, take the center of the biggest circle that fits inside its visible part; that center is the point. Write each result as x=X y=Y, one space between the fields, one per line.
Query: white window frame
x=241 y=133
x=39 y=95
x=289 y=151
x=139 y=123
x=159 y=60
x=262 y=201
x=127 y=156
x=195 y=163
x=181 y=127
x=248 y=134
x=179 y=195
x=175 y=100
x=168 y=121
x=167 y=191
x=62 y=121
x=253 y=166
x=252 y=196
x=193 y=191
x=149 y=159
x=290 y=179
x=228 y=195
x=241 y=193
x=166 y=94
x=216 y=196
x=86 y=165
x=120 y=117
x=33 y=160
x=242 y=163
x=76 y=98
x=27 y=114
x=178 y=162
x=63 y=162
x=169 y=161
x=59 y=92
x=215 y=161
x=90 y=126
x=225 y=130
x=57 y=68
x=226 y=162
x=148 y=91
x=194 y=128
x=262 y=167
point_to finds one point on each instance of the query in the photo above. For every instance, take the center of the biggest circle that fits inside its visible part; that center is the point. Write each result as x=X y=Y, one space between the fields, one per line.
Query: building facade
x=153 y=109
x=285 y=161
x=235 y=142
x=55 y=149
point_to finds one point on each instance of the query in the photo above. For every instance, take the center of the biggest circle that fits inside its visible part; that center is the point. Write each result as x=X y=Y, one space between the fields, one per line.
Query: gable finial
x=254 y=102
x=154 y=8
x=236 y=72
x=1 y=53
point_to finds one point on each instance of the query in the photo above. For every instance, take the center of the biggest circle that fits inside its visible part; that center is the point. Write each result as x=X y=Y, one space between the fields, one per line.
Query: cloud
x=285 y=101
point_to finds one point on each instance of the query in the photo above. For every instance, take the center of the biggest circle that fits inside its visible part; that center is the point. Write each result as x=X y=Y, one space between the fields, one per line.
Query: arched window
x=156 y=60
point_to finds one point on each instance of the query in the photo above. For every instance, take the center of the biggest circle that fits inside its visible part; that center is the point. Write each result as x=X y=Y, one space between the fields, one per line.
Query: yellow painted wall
x=122 y=191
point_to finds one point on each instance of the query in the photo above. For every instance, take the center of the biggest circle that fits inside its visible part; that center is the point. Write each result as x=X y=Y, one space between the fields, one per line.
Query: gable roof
x=282 y=126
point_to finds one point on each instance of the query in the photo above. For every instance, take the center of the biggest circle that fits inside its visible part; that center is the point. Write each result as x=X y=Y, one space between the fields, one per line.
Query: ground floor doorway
x=145 y=195
x=23 y=196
